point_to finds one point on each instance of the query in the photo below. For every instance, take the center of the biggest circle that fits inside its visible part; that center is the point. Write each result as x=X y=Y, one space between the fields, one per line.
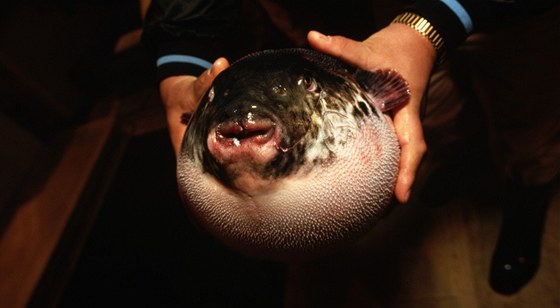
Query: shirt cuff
x=182 y=58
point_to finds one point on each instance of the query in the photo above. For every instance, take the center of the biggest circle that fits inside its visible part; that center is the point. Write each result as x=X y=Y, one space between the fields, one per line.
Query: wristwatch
x=425 y=28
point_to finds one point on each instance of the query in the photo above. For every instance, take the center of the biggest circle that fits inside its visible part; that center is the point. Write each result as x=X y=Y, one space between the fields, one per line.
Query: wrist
x=410 y=44
x=424 y=28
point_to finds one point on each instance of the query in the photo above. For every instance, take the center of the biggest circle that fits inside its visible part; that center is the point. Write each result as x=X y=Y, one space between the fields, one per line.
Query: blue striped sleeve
x=461 y=13
x=183 y=59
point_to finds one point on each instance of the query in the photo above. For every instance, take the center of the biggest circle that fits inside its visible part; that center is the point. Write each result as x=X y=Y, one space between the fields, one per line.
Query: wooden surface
x=34 y=231
x=427 y=257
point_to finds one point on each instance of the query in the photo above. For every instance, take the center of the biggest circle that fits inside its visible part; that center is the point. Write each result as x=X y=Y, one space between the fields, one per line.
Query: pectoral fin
x=386 y=88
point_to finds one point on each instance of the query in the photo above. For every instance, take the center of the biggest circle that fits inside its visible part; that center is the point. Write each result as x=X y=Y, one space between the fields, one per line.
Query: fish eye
x=309 y=83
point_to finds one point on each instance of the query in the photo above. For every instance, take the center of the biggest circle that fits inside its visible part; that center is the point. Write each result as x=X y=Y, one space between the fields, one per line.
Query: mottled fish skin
x=321 y=161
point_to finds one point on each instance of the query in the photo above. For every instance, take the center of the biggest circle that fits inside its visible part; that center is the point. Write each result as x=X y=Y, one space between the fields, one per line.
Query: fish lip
x=245 y=141
x=234 y=132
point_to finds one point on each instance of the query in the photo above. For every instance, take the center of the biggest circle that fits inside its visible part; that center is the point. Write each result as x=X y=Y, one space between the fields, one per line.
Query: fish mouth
x=242 y=131
x=244 y=141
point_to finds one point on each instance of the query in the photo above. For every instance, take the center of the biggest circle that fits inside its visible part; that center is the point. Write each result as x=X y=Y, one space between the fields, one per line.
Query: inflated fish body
x=289 y=154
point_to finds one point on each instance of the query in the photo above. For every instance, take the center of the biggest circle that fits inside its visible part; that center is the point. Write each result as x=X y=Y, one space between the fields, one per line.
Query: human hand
x=403 y=49
x=181 y=94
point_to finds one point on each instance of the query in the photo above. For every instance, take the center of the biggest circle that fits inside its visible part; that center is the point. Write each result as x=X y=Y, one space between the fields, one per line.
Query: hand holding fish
x=403 y=49
x=181 y=94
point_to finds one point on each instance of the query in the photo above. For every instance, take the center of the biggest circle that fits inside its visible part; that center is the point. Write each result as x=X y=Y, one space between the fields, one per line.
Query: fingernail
x=321 y=36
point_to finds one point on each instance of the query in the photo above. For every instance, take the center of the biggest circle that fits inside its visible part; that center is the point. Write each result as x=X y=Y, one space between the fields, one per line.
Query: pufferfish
x=290 y=155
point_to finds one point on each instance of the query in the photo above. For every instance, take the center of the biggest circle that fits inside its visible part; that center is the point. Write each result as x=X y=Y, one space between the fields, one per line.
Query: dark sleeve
x=184 y=37
x=456 y=19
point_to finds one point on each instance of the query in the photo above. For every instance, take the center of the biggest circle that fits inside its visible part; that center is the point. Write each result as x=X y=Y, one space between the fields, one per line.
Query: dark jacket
x=206 y=29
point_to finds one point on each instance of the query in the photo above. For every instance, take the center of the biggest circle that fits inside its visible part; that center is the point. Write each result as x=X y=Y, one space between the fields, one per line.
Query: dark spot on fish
x=286 y=163
x=280 y=90
x=357 y=112
x=366 y=108
x=283 y=166
x=363 y=108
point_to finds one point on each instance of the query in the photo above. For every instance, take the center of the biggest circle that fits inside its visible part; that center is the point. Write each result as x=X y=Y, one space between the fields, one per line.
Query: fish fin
x=387 y=88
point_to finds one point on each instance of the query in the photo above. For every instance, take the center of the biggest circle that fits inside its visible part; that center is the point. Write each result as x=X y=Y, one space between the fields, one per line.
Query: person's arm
x=412 y=45
x=184 y=37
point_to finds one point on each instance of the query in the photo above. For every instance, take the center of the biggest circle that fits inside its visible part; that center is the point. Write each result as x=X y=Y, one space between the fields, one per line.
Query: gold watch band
x=426 y=29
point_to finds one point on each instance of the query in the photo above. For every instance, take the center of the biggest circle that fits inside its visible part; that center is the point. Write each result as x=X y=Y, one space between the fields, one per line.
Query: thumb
x=348 y=50
x=204 y=81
